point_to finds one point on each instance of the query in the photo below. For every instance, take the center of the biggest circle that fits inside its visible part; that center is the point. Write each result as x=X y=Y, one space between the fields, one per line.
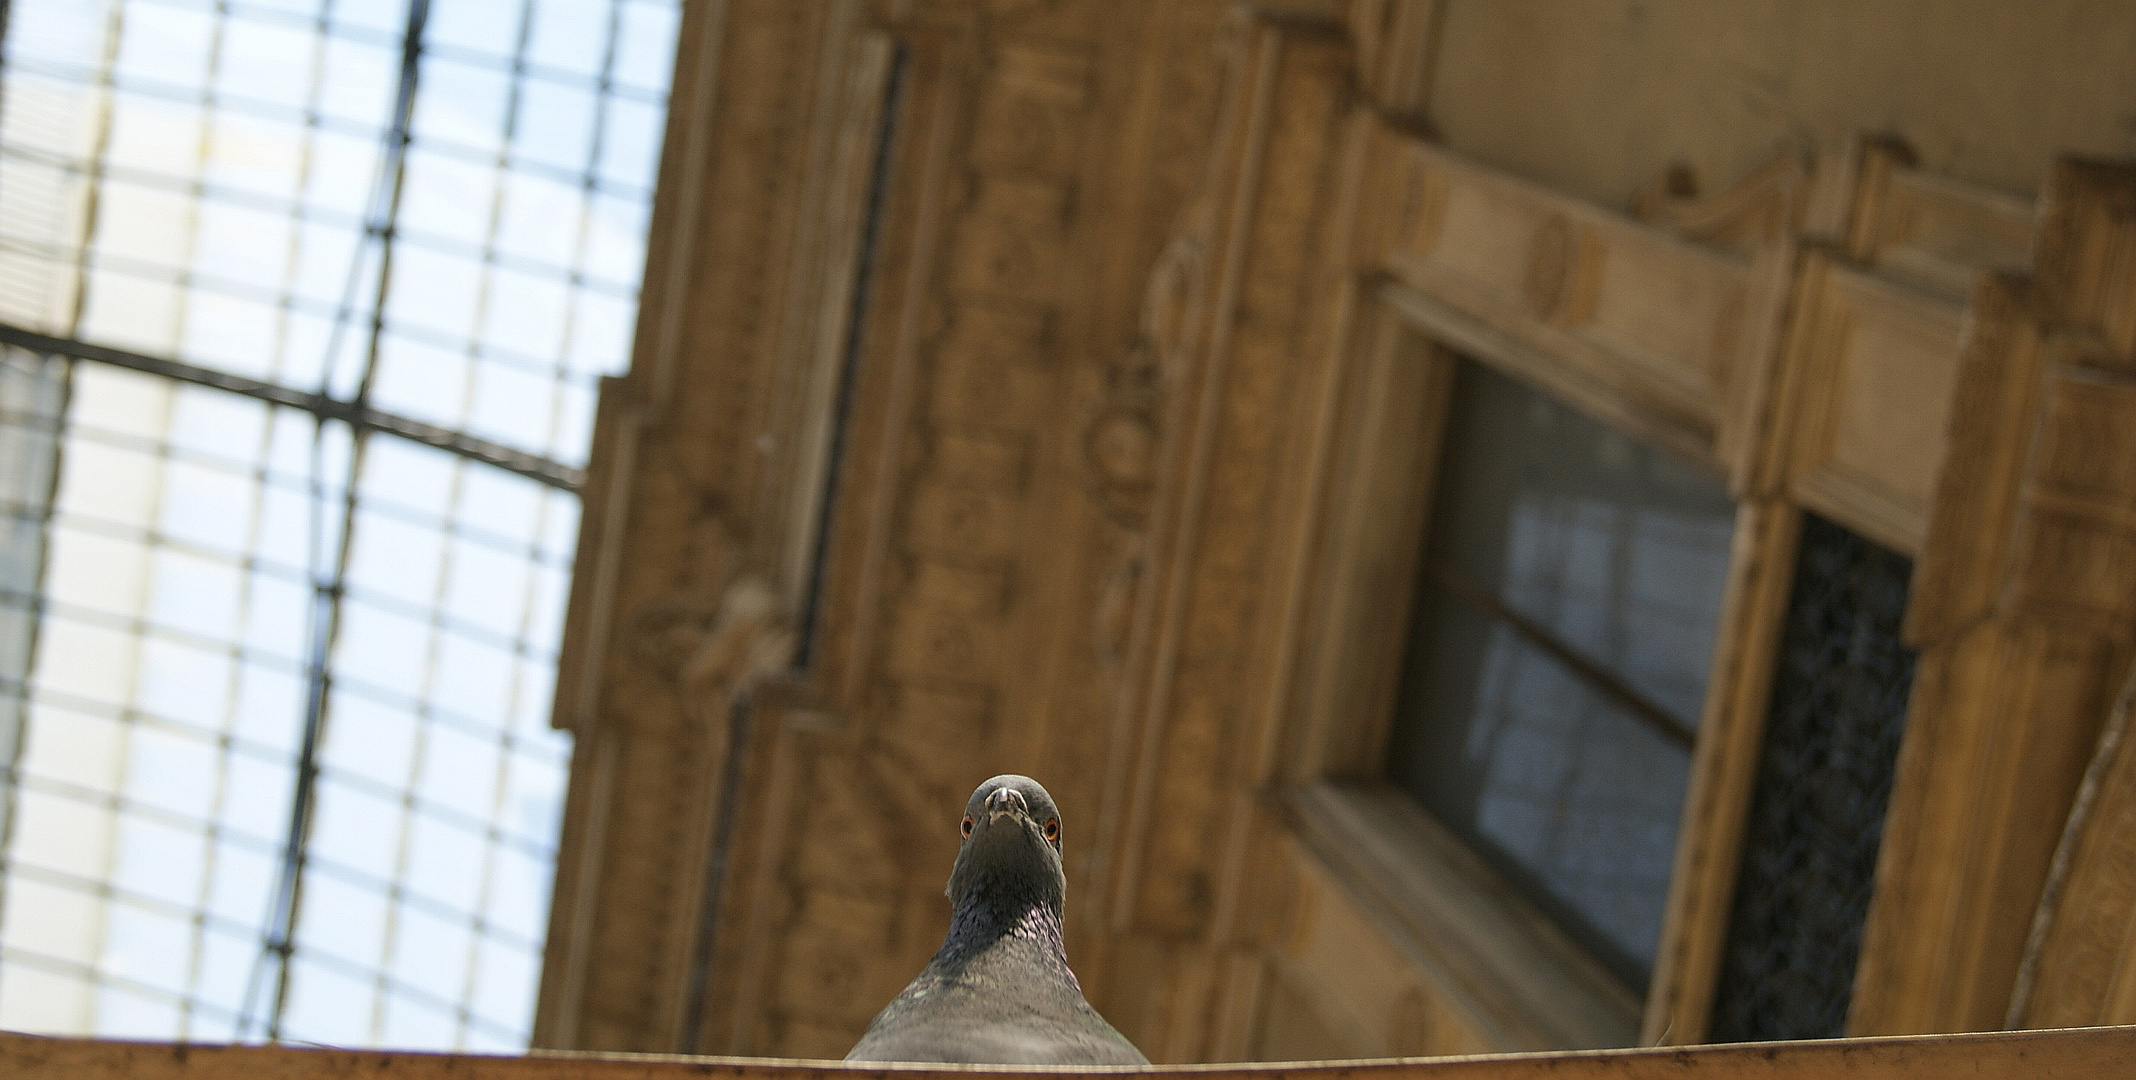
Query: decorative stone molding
x=1759 y=210
x=2023 y=606
x=1120 y=442
x=713 y=654
x=1397 y=43
x=2079 y=968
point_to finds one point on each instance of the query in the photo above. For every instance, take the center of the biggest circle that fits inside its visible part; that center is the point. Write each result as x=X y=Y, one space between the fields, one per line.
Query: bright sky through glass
x=213 y=183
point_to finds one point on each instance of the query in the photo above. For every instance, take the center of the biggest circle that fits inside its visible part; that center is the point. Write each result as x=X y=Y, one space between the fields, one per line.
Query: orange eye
x=1053 y=828
x=966 y=828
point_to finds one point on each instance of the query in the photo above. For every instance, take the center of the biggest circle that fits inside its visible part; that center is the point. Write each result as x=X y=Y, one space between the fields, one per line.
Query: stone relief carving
x=711 y=651
x=712 y=637
x=1757 y=210
x=1120 y=441
x=1113 y=625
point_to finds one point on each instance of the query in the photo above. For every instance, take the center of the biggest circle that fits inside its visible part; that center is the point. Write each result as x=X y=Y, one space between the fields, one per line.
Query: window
x=1567 y=606
x=307 y=303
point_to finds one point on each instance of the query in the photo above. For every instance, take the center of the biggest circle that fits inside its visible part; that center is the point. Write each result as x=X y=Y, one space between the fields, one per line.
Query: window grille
x=1824 y=780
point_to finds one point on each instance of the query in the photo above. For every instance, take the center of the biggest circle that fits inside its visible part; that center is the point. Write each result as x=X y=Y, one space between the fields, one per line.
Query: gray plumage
x=999 y=992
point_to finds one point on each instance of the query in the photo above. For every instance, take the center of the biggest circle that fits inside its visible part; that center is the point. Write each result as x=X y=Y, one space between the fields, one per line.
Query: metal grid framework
x=1570 y=598
x=1831 y=749
x=305 y=305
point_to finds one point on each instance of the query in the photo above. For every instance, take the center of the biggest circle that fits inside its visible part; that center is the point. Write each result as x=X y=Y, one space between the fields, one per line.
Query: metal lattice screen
x=1824 y=780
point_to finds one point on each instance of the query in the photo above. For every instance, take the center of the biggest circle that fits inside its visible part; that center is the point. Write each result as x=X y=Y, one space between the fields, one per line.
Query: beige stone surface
x=1599 y=96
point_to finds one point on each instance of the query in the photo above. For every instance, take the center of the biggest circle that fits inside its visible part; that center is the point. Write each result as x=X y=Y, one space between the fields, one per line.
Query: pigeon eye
x=966 y=828
x=1053 y=828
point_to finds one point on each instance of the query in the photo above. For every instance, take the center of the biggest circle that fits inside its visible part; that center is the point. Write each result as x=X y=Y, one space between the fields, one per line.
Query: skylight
x=303 y=304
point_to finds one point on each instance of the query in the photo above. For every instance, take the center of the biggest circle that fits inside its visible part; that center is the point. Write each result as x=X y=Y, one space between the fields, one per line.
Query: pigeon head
x=1011 y=855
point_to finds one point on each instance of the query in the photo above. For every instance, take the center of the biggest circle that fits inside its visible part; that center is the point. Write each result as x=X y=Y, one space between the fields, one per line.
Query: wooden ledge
x=2031 y=1055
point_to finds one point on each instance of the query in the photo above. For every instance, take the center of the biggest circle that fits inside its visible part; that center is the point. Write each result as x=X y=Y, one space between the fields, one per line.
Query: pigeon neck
x=981 y=921
x=979 y=927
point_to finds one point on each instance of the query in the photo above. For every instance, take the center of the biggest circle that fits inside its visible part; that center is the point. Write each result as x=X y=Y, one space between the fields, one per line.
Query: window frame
x=1519 y=974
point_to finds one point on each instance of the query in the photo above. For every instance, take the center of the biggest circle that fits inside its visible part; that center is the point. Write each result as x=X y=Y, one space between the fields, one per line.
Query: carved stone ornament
x=1120 y=439
x=1759 y=209
x=1120 y=444
x=1113 y=625
x=709 y=652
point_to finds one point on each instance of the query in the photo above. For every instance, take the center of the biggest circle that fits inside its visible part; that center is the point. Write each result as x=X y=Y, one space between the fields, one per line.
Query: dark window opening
x=1567 y=605
x=849 y=365
x=1824 y=780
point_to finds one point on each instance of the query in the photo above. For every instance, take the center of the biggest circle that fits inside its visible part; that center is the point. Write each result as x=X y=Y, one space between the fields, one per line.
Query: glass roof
x=274 y=678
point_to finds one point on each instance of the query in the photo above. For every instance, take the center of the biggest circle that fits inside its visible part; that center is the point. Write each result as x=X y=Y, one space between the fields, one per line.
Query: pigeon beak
x=1005 y=802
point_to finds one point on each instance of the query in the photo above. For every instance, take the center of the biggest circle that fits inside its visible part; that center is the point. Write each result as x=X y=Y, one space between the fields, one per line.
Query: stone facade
x=1048 y=386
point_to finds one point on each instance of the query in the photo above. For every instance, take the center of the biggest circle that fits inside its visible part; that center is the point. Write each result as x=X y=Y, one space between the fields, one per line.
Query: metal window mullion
x=278 y=943
x=297 y=212
x=89 y=973
x=603 y=96
x=463 y=1012
x=128 y=696
x=249 y=565
x=418 y=756
x=162 y=181
x=423 y=733
x=1596 y=676
x=1556 y=801
x=102 y=91
x=118 y=803
x=1556 y=837
x=267 y=14
x=156 y=89
x=104 y=889
x=136 y=86
x=116 y=712
x=304 y=213
x=506 y=745
x=394 y=173
x=328 y=599
x=140 y=624
x=328 y=559
x=354 y=969
x=339 y=309
x=181 y=312
x=357 y=414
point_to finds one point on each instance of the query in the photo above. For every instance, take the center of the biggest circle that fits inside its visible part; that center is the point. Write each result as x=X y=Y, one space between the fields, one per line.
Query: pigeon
x=999 y=992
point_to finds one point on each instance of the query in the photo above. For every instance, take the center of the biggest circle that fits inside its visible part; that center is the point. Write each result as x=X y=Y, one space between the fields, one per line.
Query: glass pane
x=1568 y=602
x=1575 y=797
x=1616 y=548
x=483 y=26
